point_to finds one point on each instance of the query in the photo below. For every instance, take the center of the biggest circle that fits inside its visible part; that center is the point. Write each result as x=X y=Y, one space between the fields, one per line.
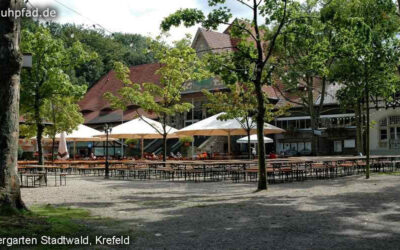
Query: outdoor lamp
x=27 y=61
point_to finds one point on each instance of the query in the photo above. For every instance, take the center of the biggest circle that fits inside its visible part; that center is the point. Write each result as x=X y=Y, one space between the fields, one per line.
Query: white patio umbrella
x=254 y=139
x=213 y=127
x=62 y=148
x=81 y=134
x=141 y=128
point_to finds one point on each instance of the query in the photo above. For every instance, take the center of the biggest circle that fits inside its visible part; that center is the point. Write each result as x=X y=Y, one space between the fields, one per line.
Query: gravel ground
x=343 y=213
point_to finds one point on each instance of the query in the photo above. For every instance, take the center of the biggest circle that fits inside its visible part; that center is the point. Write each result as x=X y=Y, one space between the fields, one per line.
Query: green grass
x=44 y=220
x=60 y=221
x=48 y=221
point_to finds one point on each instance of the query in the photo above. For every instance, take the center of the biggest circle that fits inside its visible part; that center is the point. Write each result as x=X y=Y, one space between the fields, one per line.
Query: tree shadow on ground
x=229 y=216
x=356 y=220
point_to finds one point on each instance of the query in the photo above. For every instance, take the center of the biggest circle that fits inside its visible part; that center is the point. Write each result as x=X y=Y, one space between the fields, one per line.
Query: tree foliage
x=256 y=40
x=306 y=52
x=368 y=50
x=48 y=80
x=127 y=48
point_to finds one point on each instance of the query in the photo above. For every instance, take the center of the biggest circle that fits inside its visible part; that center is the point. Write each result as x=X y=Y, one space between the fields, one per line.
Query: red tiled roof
x=97 y=117
x=215 y=40
x=94 y=101
x=94 y=107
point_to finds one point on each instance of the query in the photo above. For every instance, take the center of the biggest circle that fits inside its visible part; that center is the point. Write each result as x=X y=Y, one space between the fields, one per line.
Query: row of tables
x=206 y=168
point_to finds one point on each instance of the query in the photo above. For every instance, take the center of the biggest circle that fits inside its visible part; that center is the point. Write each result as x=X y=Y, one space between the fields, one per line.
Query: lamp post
x=107 y=130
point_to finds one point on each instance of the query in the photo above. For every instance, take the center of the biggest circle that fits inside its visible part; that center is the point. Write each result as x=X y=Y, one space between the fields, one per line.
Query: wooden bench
x=33 y=180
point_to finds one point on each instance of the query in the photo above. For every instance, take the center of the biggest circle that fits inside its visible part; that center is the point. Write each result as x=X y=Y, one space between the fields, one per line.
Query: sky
x=130 y=16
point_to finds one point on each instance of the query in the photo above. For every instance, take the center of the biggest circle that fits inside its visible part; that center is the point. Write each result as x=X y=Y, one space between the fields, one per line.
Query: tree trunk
x=314 y=122
x=53 y=112
x=52 y=148
x=363 y=127
x=314 y=127
x=248 y=143
x=367 y=131
x=262 y=181
x=39 y=127
x=260 y=64
x=359 y=126
x=398 y=5
x=10 y=67
x=164 y=124
x=164 y=147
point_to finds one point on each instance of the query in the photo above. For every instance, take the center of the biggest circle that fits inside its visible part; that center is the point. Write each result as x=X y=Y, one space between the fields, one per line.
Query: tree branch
x=246 y=4
x=156 y=129
x=273 y=41
x=287 y=98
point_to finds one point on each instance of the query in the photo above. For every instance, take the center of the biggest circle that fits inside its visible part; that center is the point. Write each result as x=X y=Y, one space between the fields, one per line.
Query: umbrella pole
x=142 y=146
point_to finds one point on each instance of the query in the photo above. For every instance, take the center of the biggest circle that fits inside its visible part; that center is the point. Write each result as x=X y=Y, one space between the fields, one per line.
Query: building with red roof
x=337 y=128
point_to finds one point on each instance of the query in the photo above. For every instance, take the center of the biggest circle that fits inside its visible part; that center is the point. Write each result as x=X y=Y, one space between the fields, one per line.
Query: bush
x=186 y=139
x=132 y=141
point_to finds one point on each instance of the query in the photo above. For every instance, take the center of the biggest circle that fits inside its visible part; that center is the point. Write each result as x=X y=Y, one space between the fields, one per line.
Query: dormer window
x=86 y=111
x=105 y=111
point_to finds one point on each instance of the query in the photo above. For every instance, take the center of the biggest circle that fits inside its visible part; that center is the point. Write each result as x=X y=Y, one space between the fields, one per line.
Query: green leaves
x=367 y=42
x=48 y=84
x=64 y=113
x=188 y=17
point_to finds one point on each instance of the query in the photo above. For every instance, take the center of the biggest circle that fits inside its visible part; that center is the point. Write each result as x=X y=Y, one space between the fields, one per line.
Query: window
x=300 y=146
x=308 y=123
x=383 y=135
x=308 y=146
x=187 y=123
x=395 y=133
x=383 y=122
x=99 y=151
x=392 y=133
x=292 y=124
x=394 y=120
x=350 y=143
x=279 y=147
x=337 y=146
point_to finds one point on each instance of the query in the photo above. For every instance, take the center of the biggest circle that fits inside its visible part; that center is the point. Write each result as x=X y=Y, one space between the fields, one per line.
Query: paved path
x=343 y=213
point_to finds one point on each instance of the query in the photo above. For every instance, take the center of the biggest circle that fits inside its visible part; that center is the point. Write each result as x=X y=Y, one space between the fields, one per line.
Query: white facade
x=385 y=133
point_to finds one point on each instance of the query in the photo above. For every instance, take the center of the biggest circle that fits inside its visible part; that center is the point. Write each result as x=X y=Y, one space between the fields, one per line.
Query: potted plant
x=186 y=140
x=132 y=142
